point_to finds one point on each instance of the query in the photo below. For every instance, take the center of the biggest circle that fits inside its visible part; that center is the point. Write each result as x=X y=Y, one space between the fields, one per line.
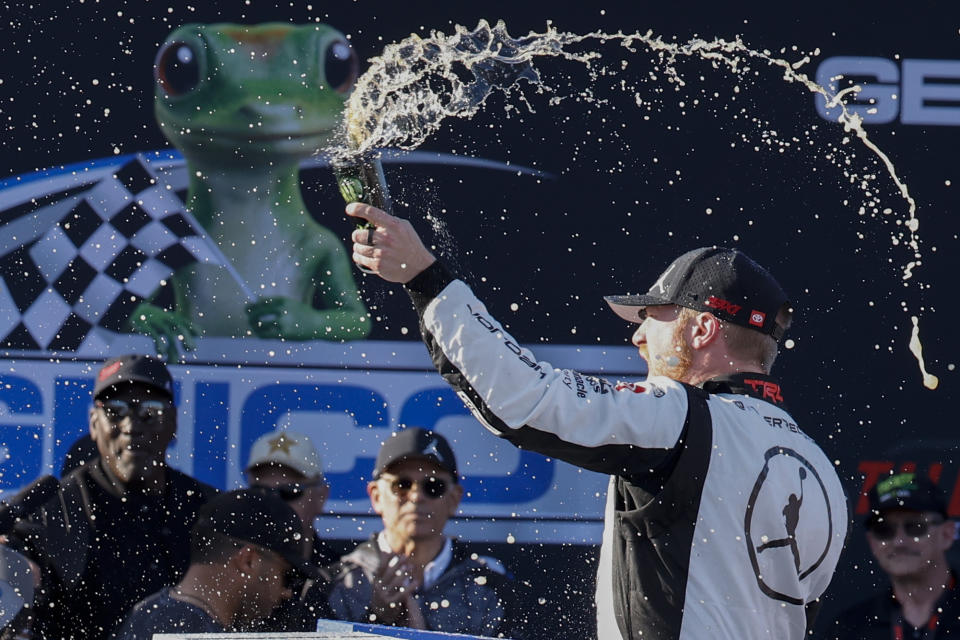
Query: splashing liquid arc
x=417 y=83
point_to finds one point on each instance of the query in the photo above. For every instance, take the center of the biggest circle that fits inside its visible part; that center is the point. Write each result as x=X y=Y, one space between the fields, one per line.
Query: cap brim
x=132 y=379
x=629 y=307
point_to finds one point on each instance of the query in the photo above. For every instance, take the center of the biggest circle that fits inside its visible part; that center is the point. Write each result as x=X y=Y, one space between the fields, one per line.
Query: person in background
x=244 y=549
x=118 y=529
x=412 y=574
x=909 y=533
x=287 y=463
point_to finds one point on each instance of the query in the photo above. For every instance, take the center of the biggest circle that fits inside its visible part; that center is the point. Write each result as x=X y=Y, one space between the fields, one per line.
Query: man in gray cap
x=118 y=530
x=288 y=464
x=411 y=573
x=723 y=518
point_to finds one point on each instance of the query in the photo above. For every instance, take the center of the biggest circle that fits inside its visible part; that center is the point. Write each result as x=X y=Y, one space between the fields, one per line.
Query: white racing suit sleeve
x=617 y=429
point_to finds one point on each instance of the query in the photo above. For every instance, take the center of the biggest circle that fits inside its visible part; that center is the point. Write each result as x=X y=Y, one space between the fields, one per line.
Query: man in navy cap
x=118 y=529
x=723 y=519
x=411 y=573
x=909 y=533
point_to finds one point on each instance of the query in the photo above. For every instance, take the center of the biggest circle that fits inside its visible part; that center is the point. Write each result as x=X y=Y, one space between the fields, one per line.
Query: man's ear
x=245 y=560
x=703 y=330
x=456 y=495
x=948 y=533
x=373 y=490
x=93 y=424
x=324 y=492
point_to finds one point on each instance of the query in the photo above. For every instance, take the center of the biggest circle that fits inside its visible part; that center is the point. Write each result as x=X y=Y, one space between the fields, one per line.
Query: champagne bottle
x=361 y=179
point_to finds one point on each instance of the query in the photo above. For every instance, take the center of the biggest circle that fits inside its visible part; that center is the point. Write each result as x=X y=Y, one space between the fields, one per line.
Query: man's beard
x=676 y=364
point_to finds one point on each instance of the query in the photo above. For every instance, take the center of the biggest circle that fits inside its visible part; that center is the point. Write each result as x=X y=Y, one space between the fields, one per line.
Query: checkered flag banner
x=90 y=270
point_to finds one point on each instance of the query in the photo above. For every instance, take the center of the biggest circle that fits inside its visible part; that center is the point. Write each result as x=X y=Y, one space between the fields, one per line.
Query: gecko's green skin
x=262 y=104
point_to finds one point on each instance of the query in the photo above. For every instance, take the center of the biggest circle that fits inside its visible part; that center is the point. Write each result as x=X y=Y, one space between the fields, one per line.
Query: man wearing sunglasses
x=909 y=533
x=118 y=528
x=244 y=553
x=412 y=574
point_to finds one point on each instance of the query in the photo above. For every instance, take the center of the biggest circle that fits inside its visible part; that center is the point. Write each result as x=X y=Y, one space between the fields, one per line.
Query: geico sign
x=919 y=91
x=222 y=412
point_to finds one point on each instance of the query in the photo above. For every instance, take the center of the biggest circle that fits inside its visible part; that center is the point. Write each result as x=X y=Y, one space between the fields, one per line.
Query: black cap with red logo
x=724 y=282
x=133 y=367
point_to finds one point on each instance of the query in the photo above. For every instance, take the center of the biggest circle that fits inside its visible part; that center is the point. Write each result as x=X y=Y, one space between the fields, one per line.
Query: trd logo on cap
x=106 y=372
x=757 y=318
x=723 y=305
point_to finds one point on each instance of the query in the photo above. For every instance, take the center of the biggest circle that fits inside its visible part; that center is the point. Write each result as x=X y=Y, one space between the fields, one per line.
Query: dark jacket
x=875 y=617
x=102 y=551
x=470 y=597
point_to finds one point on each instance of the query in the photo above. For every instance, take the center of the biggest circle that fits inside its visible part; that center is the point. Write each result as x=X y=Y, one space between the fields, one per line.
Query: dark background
x=612 y=217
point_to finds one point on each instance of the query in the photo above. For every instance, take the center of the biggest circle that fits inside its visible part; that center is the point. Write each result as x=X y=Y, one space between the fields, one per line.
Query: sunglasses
x=117 y=410
x=917 y=528
x=431 y=486
x=289 y=492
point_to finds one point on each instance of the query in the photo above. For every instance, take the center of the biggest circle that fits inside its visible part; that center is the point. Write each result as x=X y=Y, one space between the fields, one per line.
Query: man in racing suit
x=723 y=518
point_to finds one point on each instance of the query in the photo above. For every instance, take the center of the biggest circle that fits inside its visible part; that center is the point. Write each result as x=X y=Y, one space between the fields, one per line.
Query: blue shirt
x=161 y=613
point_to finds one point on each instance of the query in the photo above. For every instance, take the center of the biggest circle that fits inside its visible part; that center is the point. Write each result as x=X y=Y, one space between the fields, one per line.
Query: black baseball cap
x=907 y=491
x=260 y=517
x=724 y=282
x=134 y=367
x=416 y=443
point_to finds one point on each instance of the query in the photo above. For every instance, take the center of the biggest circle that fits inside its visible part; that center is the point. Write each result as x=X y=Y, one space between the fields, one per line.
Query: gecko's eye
x=177 y=68
x=340 y=66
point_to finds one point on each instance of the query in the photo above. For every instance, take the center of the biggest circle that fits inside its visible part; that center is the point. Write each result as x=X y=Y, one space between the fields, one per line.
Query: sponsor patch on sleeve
x=636 y=387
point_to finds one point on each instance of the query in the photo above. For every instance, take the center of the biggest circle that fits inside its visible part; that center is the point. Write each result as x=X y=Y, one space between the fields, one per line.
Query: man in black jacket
x=118 y=530
x=909 y=534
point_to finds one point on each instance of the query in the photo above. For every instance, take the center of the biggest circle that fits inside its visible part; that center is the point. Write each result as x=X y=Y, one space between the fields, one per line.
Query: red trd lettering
x=723 y=305
x=771 y=390
x=109 y=371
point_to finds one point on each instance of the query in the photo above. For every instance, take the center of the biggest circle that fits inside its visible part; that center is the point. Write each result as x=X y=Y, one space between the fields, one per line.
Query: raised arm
x=590 y=422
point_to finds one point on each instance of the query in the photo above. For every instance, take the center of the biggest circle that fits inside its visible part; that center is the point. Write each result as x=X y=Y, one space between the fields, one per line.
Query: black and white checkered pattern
x=111 y=251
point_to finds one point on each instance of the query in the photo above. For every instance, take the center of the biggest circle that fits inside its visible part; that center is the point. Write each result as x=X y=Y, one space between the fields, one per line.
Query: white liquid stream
x=415 y=84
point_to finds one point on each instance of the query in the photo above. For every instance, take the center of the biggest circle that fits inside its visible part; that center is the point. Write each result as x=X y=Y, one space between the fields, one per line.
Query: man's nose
x=639 y=336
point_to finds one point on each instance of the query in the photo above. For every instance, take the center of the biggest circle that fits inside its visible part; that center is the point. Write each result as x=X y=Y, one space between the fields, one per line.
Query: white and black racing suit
x=723 y=519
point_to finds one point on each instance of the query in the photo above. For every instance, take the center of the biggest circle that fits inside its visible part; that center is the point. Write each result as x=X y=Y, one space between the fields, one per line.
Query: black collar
x=757 y=385
x=102 y=475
